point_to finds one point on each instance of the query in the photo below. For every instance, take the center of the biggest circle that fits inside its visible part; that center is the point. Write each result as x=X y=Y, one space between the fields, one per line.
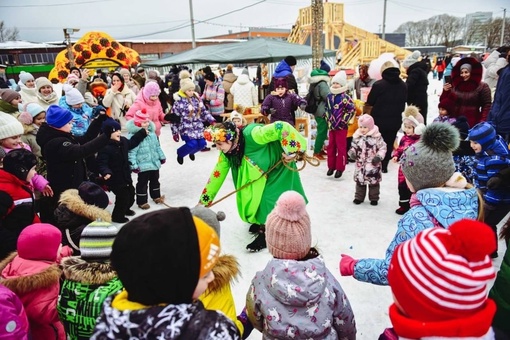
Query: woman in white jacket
x=244 y=91
x=492 y=65
x=119 y=98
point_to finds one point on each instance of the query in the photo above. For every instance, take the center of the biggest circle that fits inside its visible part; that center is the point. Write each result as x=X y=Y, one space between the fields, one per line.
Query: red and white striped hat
x=442 y=274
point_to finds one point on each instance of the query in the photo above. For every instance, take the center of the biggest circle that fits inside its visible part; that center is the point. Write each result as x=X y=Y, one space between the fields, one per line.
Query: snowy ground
x=338 y=226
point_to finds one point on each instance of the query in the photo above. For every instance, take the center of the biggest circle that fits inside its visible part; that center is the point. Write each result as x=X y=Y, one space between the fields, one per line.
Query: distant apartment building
x=474 y=31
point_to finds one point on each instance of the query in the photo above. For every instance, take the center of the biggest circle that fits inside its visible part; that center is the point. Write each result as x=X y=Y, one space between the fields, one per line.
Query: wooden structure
x=317 y=26
x=354 y=45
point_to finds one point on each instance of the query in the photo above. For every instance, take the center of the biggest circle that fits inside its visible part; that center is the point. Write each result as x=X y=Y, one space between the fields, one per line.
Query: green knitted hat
x=319 y=72
x=96 y=241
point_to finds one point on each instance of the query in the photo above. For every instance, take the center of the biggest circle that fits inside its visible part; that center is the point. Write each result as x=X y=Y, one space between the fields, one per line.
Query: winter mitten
x=98 y=110
x=163 y=161
x=494 y=182
x=172 y=118
x=136 y=171
x=347 y=264
x=248 y=327
x=176 y=137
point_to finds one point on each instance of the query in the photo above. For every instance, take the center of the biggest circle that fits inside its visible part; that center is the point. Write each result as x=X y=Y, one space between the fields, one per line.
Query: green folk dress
x=264 y=145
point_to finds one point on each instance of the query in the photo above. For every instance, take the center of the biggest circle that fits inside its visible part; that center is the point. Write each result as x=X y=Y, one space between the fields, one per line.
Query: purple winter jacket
x=13 y=319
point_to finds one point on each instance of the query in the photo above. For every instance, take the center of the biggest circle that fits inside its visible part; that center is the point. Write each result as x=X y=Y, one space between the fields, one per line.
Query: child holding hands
x=189 y=116
x=113 y=165
x=339 y=111
x=412 y=125
x=368 y=149
x=146 y=159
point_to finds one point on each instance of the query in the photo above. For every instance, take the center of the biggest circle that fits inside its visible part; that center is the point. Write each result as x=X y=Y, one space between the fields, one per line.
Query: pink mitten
x=65 y=251
x=347 y=264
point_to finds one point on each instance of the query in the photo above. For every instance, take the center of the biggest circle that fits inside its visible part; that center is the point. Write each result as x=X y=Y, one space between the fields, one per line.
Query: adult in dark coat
x=386 y=102
x=64 y=154
x=417 y=83
x=500 y=110
x=4 y=83
x=285 y=70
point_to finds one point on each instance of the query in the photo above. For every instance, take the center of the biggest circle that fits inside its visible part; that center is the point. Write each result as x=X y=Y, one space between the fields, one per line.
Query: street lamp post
x=67 y=35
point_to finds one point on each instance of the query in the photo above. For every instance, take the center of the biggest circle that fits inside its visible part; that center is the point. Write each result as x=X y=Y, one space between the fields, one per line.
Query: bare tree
x=7 y=34
x=441 y=29
x=492 y=31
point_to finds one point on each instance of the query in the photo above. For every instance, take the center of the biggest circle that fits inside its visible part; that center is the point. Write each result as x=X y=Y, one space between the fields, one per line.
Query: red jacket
x=16 y=210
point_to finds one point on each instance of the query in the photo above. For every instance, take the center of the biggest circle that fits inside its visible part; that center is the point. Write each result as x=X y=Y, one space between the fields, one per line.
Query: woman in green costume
x=250 y=152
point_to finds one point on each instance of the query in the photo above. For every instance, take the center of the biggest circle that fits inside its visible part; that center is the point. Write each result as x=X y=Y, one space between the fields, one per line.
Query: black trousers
x=147 y=177
x=389 y=138
x=124 y=199
x=404 y=195
x=493 y=214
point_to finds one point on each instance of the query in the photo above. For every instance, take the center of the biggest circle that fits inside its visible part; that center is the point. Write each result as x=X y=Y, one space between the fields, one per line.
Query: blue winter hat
x=115 y=126
x=484 y=134
x=325 y=66
x=57 y=117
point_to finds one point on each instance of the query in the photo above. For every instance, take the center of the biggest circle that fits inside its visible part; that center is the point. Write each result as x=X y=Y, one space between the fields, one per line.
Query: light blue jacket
x=446 y=205
x=81 y=117
x=148 y=154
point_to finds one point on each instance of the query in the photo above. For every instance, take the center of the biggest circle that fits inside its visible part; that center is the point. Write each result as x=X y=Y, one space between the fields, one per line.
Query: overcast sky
x=43 y=20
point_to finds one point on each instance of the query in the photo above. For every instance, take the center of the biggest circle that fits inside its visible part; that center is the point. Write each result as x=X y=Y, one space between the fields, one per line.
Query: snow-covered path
x=338 y=226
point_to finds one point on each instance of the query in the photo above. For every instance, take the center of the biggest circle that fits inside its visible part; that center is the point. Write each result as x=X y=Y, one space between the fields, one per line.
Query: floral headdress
x=223 y=132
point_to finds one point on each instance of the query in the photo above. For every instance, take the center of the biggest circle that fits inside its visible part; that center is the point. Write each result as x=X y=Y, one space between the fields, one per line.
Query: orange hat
x=208 y=244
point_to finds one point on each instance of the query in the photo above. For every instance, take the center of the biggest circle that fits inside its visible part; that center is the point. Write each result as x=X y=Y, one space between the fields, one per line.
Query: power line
x=54 y=5
x=102 y=26
x=244 y=26
x=176 y=28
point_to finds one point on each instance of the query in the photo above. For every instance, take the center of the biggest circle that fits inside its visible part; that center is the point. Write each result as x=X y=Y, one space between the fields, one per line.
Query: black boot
x=255 y=228
x=260 y=241
x=404 y=207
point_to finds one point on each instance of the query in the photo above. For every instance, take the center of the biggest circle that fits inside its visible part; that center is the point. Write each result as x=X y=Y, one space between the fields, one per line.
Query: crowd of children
x=50 y=271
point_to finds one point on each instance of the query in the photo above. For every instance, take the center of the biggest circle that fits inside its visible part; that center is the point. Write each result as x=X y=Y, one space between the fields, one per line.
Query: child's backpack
x=312 y=102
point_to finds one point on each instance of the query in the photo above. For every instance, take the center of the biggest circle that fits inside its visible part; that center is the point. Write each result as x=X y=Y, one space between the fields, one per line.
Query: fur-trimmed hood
x=318 y=78
x=22 y=284
x=225 y=271
x=78 y=270
x=29 y=128
x=75 y=204
x=475 y=74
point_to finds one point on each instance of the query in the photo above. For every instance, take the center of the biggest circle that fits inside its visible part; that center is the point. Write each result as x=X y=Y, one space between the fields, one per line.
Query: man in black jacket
x=65 y=154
